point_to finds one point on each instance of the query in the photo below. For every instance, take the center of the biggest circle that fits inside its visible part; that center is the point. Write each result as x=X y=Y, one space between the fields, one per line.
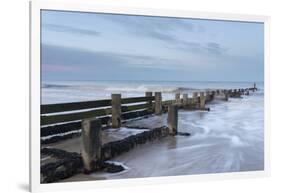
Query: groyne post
x=226 y=95
x=202 y=100
x=213 y=95
x=158 y=103
x=172 y=119
x=185 y=99
x=207 y=95
x=255 y=87
x=149 y=103
x=195 y=98
x=116 y=110
x=178 y=98
x=91 y=143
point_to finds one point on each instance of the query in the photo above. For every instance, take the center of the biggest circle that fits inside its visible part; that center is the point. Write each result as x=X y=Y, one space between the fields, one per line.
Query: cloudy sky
x=87 y=46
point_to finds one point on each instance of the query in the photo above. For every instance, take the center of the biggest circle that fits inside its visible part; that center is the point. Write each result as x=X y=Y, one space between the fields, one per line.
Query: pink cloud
x=59 y=68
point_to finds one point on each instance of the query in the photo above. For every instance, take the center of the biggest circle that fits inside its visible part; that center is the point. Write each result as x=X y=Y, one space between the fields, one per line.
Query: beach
x=228 y=138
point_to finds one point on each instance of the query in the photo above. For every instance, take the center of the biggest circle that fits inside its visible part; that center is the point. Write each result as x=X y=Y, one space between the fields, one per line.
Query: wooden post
x=255 y=88
x=158 y=103
x=195 y=98
x=173 y=119
x=208 y=96
x=185 y=99
x=116 y=110
x=226 y=96
x=213 y=95
x=149 y=103
x=202 y=100
x=91 y=143
x=178 y=98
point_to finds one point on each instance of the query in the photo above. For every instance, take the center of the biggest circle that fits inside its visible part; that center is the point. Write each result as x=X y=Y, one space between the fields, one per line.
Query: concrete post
x=178 y=98
x=202 y=100
x=91 y=143
x=149 y=103
x=185 y=99
x=116 y=110
x=172 y=119
x=158 y=103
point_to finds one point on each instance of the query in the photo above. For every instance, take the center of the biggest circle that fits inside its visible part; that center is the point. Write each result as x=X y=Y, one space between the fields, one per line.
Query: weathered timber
x=195 y=98
x=55 y=108
x=149 y=103
x=226 y=95
x=158 y=103
x=135 y=107
x=116 y=110
x=178 y=98
x=135 y=114
x=61 y=128
x=185 y=99
x=68 y=127
x=136 y=99
x=167 y=102
x=60 y=118
x=202 y=100
x=91 y=144
x=172 y=119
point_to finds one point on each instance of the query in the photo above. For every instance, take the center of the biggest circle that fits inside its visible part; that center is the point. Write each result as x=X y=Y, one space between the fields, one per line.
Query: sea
x=228 y=138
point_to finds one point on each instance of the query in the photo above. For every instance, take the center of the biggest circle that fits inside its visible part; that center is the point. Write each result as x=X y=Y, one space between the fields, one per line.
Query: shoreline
x=193 y=135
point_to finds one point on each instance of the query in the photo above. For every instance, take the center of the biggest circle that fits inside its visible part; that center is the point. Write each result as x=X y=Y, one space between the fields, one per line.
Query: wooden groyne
x=89 y=120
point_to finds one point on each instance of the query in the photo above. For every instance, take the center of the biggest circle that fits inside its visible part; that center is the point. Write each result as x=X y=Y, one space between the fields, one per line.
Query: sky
x=94 y=46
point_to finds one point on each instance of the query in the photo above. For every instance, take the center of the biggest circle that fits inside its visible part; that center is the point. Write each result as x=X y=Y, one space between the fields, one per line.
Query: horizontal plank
x=135 y=114
x=62 y=128
x=134 y=107
x=67 y=127
x=52 y=119
x=168 y=102
x=62 y=107
x=136 y=99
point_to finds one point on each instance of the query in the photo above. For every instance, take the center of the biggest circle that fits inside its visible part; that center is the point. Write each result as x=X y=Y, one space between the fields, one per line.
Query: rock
x=113 y=168
x=183 y=133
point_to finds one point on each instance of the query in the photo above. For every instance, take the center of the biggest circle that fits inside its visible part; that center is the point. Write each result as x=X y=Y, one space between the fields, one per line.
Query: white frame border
x=34 y=147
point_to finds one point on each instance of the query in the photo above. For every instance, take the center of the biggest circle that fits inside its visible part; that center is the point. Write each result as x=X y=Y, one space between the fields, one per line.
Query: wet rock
x=183 y=133
x=113 y=168
x=70 y=164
